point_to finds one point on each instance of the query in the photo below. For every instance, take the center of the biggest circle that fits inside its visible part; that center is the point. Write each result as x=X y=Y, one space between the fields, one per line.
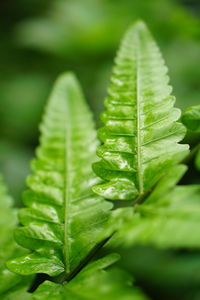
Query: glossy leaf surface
x=63 y=218
x=93 y=282
x=141 y=134
x=9 y=281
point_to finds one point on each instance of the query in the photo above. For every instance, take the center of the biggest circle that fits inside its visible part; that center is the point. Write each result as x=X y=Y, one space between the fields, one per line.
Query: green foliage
x=63 y=218
x=44 y=37
x=169 y=221
x=191 y=118
x=141 y=132
x=11 y=284
x=93 y=282
x=67 y=219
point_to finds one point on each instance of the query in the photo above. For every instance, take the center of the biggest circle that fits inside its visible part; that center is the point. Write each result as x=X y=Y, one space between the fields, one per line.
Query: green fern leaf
x=63 y=218
x=94 y=282
x=141 y=133
x=191 y=118
x=172 y=223
x=169 y=217
x=8 y=247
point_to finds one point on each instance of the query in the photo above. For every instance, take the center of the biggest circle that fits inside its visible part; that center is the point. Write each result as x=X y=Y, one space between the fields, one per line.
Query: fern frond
x=191 y=118
x=169 y=218
x=172 y=223
x=94 y=282
x=63 y=217
x=141 y=134
x=8 y=247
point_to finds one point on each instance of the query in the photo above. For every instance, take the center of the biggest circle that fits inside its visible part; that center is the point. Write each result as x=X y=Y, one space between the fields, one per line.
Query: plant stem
x=85 y=261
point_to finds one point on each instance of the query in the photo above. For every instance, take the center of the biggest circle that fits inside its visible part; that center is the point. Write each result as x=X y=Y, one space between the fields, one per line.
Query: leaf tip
x=138 y=25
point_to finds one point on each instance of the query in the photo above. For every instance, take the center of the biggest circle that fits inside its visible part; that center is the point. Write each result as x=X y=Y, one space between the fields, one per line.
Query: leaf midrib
x=67 y=190
x=138 y=120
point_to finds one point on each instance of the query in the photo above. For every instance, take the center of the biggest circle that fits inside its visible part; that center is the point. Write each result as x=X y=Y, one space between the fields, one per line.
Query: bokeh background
x=41 y=38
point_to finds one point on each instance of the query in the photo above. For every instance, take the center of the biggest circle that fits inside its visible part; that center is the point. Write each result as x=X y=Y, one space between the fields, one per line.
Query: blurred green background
x=41 y=38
